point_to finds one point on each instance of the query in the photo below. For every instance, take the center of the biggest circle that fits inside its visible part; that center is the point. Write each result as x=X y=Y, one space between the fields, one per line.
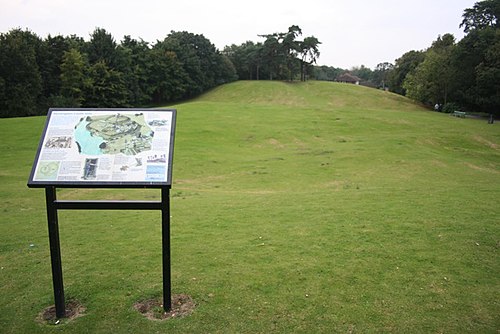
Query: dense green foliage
x=281 y=56
x=464 y=74
x=20 y=78
x=310 y=207
x=59 y=71
x=68 y=72
x=482 y=15
x=405 y=65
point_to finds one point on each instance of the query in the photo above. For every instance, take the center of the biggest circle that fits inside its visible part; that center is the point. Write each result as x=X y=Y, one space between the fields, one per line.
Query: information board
x=105 y=147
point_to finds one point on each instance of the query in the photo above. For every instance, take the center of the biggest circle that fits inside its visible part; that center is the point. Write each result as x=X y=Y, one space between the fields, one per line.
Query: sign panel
x=105 y=147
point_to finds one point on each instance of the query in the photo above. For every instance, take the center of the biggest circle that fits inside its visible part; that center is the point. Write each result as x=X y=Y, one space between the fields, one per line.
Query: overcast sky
x=352 y=32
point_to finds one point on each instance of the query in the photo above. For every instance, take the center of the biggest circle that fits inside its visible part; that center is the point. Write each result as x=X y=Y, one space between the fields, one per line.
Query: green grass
x=296 y=208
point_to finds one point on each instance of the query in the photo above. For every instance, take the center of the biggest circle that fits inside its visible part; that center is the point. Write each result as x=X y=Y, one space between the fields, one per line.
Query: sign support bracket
x=53 y=205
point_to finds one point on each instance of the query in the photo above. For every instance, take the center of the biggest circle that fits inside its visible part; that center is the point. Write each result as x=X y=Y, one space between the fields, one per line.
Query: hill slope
x=325 y=95
x=306 y=207
x=378 y=132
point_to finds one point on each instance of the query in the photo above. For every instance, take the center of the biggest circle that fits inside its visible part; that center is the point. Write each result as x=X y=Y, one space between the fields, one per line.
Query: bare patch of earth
x=74 y=309
x=182 y=306
x=486 y=142
x=483 y=169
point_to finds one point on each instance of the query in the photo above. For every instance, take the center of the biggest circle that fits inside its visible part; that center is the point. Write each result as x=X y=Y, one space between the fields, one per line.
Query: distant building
x=348 y=78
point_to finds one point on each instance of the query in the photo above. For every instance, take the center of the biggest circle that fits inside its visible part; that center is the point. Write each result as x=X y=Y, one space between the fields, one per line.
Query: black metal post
x=165 y=233
x=55 y=252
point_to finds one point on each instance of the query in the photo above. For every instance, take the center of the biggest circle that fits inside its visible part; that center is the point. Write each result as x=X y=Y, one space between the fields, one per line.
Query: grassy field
x=296 y=208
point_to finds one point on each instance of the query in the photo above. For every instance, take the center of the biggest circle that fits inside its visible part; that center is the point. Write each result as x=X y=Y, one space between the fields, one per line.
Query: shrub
x=450 y=107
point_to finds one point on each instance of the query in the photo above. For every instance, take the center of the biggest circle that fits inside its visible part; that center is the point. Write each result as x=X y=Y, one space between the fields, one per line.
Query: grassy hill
x=304 y=208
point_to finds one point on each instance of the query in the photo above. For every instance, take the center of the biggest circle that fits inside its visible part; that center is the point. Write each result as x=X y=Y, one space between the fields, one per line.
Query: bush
x=450 y=107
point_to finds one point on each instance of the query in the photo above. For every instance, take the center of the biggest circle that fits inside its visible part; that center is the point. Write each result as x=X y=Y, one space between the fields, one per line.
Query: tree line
x=451 y=75
x=60 y=71
x=457 y=75
x=67 y=71
x=282 y=56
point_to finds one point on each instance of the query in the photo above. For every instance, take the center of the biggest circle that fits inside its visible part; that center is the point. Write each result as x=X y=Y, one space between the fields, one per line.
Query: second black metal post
x=55 y=252
x=165 y=233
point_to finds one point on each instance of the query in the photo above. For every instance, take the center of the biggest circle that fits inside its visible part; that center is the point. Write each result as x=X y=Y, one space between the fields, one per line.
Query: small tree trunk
x=445 y=95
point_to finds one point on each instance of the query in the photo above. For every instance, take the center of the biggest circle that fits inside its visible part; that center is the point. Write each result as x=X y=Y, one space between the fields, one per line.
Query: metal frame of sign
x=107 y=154
x=58 y=165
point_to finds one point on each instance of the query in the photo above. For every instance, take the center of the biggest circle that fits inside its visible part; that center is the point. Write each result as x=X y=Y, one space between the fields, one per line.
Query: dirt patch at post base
x=182 y=306
x=74 y=309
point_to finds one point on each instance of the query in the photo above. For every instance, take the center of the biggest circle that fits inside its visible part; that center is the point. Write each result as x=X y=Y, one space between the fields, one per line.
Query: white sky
x=352 y=32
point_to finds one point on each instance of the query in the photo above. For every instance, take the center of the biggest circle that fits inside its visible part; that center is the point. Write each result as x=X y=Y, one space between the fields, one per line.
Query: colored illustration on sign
x=113 y=134
x=105 y=146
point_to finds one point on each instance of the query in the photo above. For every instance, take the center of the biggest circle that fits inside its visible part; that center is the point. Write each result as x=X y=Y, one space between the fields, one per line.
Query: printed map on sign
x=106 y=146
x=113 y=134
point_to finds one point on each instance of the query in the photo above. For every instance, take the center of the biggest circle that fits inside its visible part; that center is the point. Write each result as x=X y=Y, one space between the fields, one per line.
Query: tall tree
x=382 y=73
x=102 y=48
x=483 y=14
x=488 y=79
x=73 y=79
x=476 y=58
x=246 y=59
x=290 y=48
x=404 y=65
x=197 y=56
x=271 y=55
x=309 y=52
x=224 y=70
x=21 y=82
x=430 y=82
x=106 y=88
x=50 y=57
x=280 y=53
x=134 y=65
x=167 y=78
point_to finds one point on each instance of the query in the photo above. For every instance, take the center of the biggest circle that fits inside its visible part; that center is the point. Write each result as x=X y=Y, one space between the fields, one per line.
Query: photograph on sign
x=105 y=146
